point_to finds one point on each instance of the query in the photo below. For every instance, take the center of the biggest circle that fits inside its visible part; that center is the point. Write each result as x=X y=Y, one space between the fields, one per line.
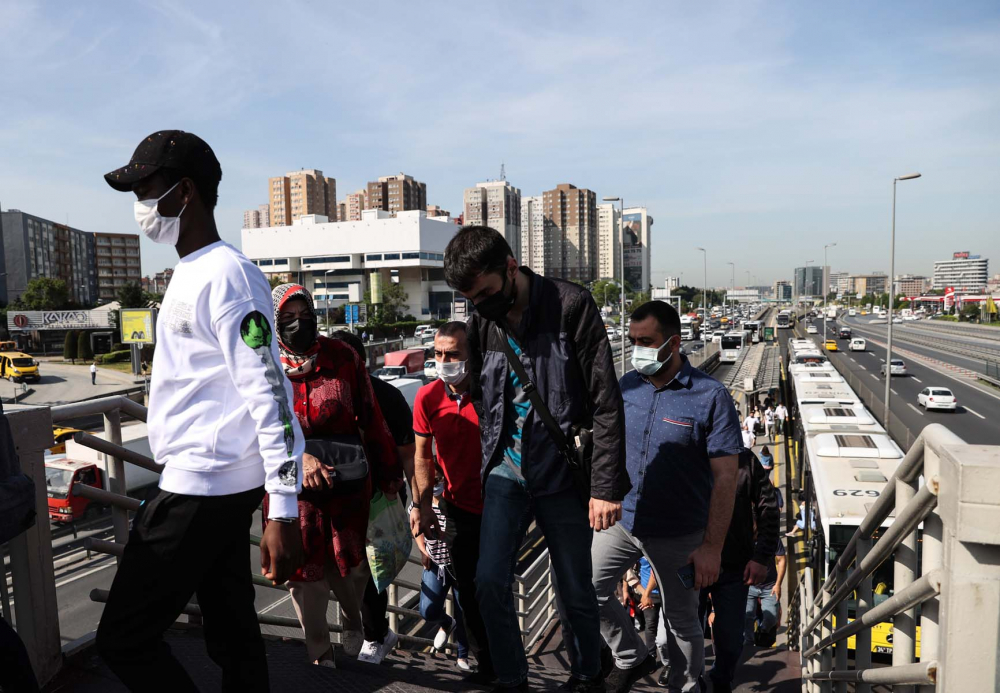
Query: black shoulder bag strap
x=528 y=386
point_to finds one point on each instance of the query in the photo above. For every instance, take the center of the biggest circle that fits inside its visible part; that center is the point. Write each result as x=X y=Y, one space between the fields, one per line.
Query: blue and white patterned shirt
x=671 y=434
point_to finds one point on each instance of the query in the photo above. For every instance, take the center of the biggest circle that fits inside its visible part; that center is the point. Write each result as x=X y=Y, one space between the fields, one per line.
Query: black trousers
x=179 y=546
x=464 y=559
x=373 y=607
x=16 y=674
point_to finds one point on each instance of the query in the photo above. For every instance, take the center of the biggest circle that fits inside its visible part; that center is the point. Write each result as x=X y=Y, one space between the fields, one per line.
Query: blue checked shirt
x=671 y=434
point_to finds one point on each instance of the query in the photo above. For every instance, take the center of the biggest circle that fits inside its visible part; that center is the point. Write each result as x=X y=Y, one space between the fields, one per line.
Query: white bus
x=784 y=319
x=731 y=345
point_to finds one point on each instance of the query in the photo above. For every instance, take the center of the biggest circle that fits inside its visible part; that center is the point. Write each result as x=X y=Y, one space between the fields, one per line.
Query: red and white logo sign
x=21 y=321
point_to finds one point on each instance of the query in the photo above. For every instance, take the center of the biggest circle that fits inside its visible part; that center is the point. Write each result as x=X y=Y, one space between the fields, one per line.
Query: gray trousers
x=613 y=552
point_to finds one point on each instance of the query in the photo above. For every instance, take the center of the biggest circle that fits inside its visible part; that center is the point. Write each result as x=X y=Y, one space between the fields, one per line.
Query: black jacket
x=566 y=353
x=756 y=504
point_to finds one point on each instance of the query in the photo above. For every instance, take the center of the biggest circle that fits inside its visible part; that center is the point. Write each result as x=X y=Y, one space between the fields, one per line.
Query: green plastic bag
x=389 y=539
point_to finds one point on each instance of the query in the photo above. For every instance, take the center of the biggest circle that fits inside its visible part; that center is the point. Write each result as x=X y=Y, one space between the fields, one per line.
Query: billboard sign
x=138 y=326
x=964 y=255
x=30 y=320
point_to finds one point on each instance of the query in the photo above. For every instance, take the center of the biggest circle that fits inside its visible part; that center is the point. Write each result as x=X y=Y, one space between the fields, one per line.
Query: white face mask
x=452 y=372
x=158 y=228
x=647 y=361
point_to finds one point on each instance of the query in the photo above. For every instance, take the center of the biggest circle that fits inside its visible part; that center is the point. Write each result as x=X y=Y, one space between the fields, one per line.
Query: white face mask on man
x=158 y=228
x=452 y=372
x=646 y=360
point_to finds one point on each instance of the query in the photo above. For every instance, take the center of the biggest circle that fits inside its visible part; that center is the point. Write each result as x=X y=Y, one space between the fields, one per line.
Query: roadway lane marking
x=111 y=564
x=973 y=411
x=917 y=379
x=860 y=366
x=873 y=375
x=275 y=605
x=893 y=392
x=914 y=408
x=852 y=358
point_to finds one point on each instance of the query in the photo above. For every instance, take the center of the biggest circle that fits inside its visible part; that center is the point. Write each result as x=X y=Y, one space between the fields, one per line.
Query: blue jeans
x=729 y=600
x=433 y=592
x=768 y=608
x=563 y=517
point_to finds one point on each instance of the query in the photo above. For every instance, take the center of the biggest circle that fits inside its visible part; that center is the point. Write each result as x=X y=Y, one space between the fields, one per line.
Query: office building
x=396 y=194
x=671 y=283
x=911 y=285
x=748 y=294
x=964 y=272
x=532 y=234
x=808 y=282
x=35 y=247
x=570 y=233
x=118 y=263
x=300 y=193
x=839 y=282
x=869 y=284
x=496 y=204
x=782 y=291
x=636 y=227
x=993 y=285
x=338 y=261
x=609 y=234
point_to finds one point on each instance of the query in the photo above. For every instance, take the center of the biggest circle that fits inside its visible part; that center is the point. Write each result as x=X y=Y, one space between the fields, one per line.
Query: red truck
x=82 y=465
x=401 y=364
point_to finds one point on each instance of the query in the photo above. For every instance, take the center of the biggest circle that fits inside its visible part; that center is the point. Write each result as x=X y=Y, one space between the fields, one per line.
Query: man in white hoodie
x=222 y=426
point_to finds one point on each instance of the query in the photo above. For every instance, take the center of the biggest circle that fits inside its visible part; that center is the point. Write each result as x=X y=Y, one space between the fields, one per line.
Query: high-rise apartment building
x=496 y=204
x=356 y=203
x=570 y=233
x=35 y=247
x=808 y=281
x=782 y=291
x=118 y=263
x=609 y=230
x=264 y=215
x=436 y=211
x=869 y=284
x=966 y=273
x=532 y=234
x=911 y=285
x=300 y=193
x=636 y=227
x=396 y=194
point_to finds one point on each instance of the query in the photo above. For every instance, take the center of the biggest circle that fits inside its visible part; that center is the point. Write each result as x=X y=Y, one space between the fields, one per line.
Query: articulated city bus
x=731 y=346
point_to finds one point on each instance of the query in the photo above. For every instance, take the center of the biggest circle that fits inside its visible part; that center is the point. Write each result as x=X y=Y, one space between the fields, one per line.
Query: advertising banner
x=138 y=326
x=31 y=320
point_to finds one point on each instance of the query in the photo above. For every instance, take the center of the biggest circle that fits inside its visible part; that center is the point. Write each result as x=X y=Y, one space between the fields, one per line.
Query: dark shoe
x=607 y=660
x=621 y=680
x=664 y=675
x=719 y=687
x=765 y=638
x=481 y=677
x=575 y=685
x=519 y=688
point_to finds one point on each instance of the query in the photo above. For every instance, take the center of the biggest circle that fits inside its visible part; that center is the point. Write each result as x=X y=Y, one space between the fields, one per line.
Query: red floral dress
x=336 y=397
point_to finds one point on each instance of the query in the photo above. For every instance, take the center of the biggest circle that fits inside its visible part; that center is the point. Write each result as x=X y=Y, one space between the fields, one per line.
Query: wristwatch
x=284 y=520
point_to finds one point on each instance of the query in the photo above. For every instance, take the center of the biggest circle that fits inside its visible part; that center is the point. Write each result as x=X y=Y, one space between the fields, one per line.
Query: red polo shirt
x=453 y=423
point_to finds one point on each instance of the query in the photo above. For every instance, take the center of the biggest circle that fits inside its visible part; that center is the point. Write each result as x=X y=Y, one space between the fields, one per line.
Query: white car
x=858 y=344
x=812 y=329
x=937 y=398
x=897 y=368
x=430 y=369
x=896 y=321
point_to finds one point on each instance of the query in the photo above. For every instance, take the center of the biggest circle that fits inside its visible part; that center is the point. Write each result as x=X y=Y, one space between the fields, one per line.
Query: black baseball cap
x=177 y=150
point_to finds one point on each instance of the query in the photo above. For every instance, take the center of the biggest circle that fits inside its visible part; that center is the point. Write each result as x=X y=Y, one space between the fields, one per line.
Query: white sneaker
x=352 y=641
x=463 y=665
x=374 y=652
x=441 y=639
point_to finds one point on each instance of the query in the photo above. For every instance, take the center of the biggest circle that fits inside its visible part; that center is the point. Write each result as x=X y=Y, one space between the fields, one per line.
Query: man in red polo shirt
x=446 y=423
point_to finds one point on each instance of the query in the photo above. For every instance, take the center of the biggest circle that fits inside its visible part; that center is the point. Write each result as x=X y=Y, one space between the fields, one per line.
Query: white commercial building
x=748 y=295
x=496 y=204
x=339 y=262
x=964 y=272
x=533 y=234
x=609 y=230
x=637 y=225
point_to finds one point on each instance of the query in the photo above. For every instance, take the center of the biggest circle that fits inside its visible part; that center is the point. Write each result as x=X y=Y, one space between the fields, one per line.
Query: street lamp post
x=732 y=289
x=826 y=287
x=704 y=306
x=621 y=248
x=326 y=289
x=892 y=277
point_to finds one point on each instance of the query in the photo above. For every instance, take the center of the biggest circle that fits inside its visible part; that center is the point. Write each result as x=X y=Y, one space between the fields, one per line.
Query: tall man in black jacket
x=746 y=556
x=556 y=331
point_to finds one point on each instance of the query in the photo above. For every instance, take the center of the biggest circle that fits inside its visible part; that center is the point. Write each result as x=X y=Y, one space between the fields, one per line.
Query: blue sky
x=761 y=130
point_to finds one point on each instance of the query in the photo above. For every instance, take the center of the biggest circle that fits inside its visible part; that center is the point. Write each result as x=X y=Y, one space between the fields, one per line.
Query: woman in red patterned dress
x=333 y=396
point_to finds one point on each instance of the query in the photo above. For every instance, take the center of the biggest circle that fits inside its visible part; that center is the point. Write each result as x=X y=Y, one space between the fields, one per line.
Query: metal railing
x=36 y=611
x=952 y=491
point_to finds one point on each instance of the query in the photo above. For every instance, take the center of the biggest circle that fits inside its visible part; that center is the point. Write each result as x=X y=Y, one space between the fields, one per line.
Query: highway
x=975 y=420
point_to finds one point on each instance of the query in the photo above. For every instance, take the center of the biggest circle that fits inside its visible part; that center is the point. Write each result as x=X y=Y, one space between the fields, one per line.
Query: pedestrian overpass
x=946 y=495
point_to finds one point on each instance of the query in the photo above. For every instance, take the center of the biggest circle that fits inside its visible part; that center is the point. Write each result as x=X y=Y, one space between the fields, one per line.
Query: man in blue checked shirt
x=683 y=439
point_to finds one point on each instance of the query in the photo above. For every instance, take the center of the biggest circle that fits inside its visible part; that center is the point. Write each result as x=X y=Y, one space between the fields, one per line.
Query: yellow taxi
x=830 y=345
x=19 y=367
x=61 y=435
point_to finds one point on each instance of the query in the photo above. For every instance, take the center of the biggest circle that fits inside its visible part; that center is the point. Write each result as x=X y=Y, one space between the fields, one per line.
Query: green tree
x=131 y=296
x=69 y=346
x=44 y=293
x=83 y=350
x=394 y=298
x=276 y=280
x=970 y=312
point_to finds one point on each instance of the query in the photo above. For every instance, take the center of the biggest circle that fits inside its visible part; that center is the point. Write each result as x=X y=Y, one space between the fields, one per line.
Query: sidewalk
x=61 y=383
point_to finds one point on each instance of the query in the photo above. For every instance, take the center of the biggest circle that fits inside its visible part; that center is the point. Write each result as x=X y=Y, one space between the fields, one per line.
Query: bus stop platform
x=403 y=671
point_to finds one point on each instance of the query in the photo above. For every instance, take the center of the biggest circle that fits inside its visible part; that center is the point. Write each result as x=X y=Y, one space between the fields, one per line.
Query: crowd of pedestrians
x=526 y=422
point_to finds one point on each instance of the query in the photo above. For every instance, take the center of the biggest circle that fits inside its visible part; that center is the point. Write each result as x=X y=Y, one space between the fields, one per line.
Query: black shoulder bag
x=578 y=449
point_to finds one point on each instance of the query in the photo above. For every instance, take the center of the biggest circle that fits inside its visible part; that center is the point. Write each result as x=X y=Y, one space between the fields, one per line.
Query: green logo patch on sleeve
x=255 y=330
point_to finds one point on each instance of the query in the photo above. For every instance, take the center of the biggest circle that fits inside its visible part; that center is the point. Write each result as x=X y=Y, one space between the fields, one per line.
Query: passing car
x=937 y=398
x=812 y=329
x=897 y=367
x=19 y=367
x=897 y=320
x=390 y=372
x=858 y=344
x=60 y=435
x=430 y=369
x=845 y=333
x=830 y=345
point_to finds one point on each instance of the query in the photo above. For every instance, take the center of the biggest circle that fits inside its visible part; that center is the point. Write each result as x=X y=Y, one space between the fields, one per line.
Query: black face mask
x=497 y=306
x=298 y=335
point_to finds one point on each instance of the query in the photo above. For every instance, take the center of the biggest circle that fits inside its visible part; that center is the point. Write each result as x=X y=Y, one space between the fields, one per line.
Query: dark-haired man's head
x=353 y=341
x=479 y=264
x=450 y=343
